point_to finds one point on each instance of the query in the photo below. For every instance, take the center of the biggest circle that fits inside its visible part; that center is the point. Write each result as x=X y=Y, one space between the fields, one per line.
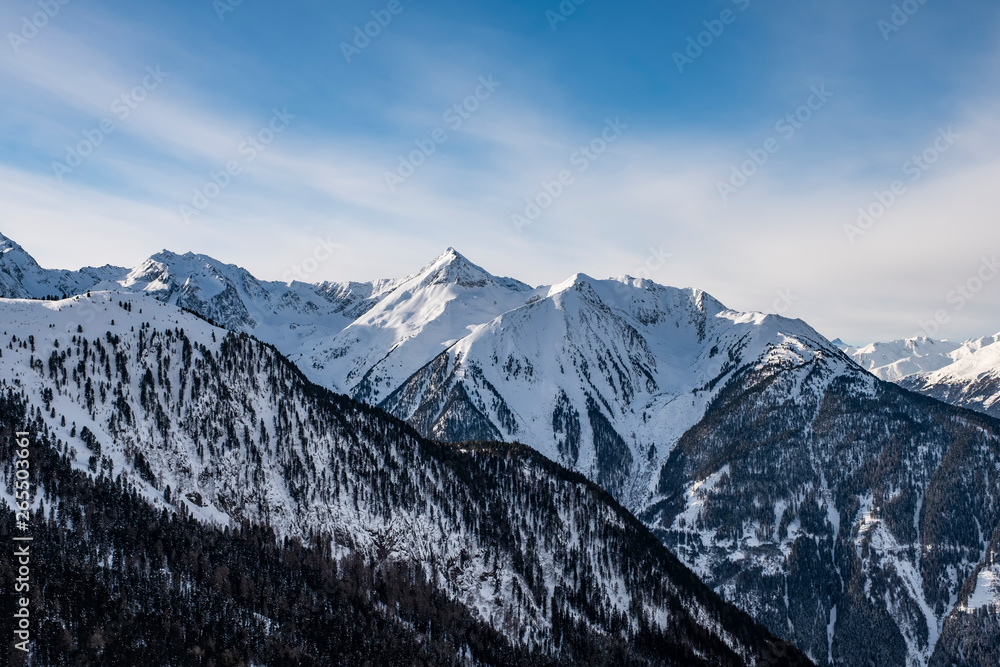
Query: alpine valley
x=459 y=468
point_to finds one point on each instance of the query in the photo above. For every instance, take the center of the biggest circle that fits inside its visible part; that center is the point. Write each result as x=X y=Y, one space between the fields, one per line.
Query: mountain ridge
x=779 y=470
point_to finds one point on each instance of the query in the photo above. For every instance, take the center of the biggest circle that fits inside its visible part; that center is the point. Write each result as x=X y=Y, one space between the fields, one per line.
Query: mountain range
x=171 y=416
x=800 y=479
x=965 y=374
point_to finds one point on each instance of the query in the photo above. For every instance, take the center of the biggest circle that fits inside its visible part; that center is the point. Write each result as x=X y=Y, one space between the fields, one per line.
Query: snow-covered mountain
x=413 y=320
x=193 y=420
x=972 y=380
x=831 y=505
x=836 y=507
x=897 y=359
x=351 y=337
x=966 y=374
x=603 y=376
x=277 y=312
x=22 y=278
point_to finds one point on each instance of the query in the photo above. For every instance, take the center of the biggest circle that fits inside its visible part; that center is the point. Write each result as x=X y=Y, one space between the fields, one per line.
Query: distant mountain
x=966 y=374
x=22 y=278
x=897 y=359
x=234 y=299
x=147 y=413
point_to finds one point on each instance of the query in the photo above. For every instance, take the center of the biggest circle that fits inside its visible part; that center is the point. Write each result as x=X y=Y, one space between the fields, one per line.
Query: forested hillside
x=170 y=454
x=849 y=515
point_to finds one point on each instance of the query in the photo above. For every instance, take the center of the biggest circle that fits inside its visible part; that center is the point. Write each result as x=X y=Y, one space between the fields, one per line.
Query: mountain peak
x=451 y=256
x=16 y=255
x=452 y=267
x=577 y=280
x=8 y=244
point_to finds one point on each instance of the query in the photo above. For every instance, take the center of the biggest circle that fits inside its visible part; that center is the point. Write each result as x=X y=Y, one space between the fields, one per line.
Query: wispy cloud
x=654 y=190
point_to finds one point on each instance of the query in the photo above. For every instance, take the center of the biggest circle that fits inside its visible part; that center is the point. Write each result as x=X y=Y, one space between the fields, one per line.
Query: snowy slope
x=972 y=380
x=414 y=319
x=360 y=338
x=808 y=492
x=284 y=314
x=370 y=339
x=987 y=590
x=969 y=636
x=601 y=375
x=154 y=397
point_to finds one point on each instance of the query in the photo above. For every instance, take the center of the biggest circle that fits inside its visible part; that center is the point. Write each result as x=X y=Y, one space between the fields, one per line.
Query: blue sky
x=188 y=87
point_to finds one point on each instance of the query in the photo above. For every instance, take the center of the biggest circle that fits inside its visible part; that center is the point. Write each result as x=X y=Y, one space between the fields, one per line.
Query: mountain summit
x=451 y=267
